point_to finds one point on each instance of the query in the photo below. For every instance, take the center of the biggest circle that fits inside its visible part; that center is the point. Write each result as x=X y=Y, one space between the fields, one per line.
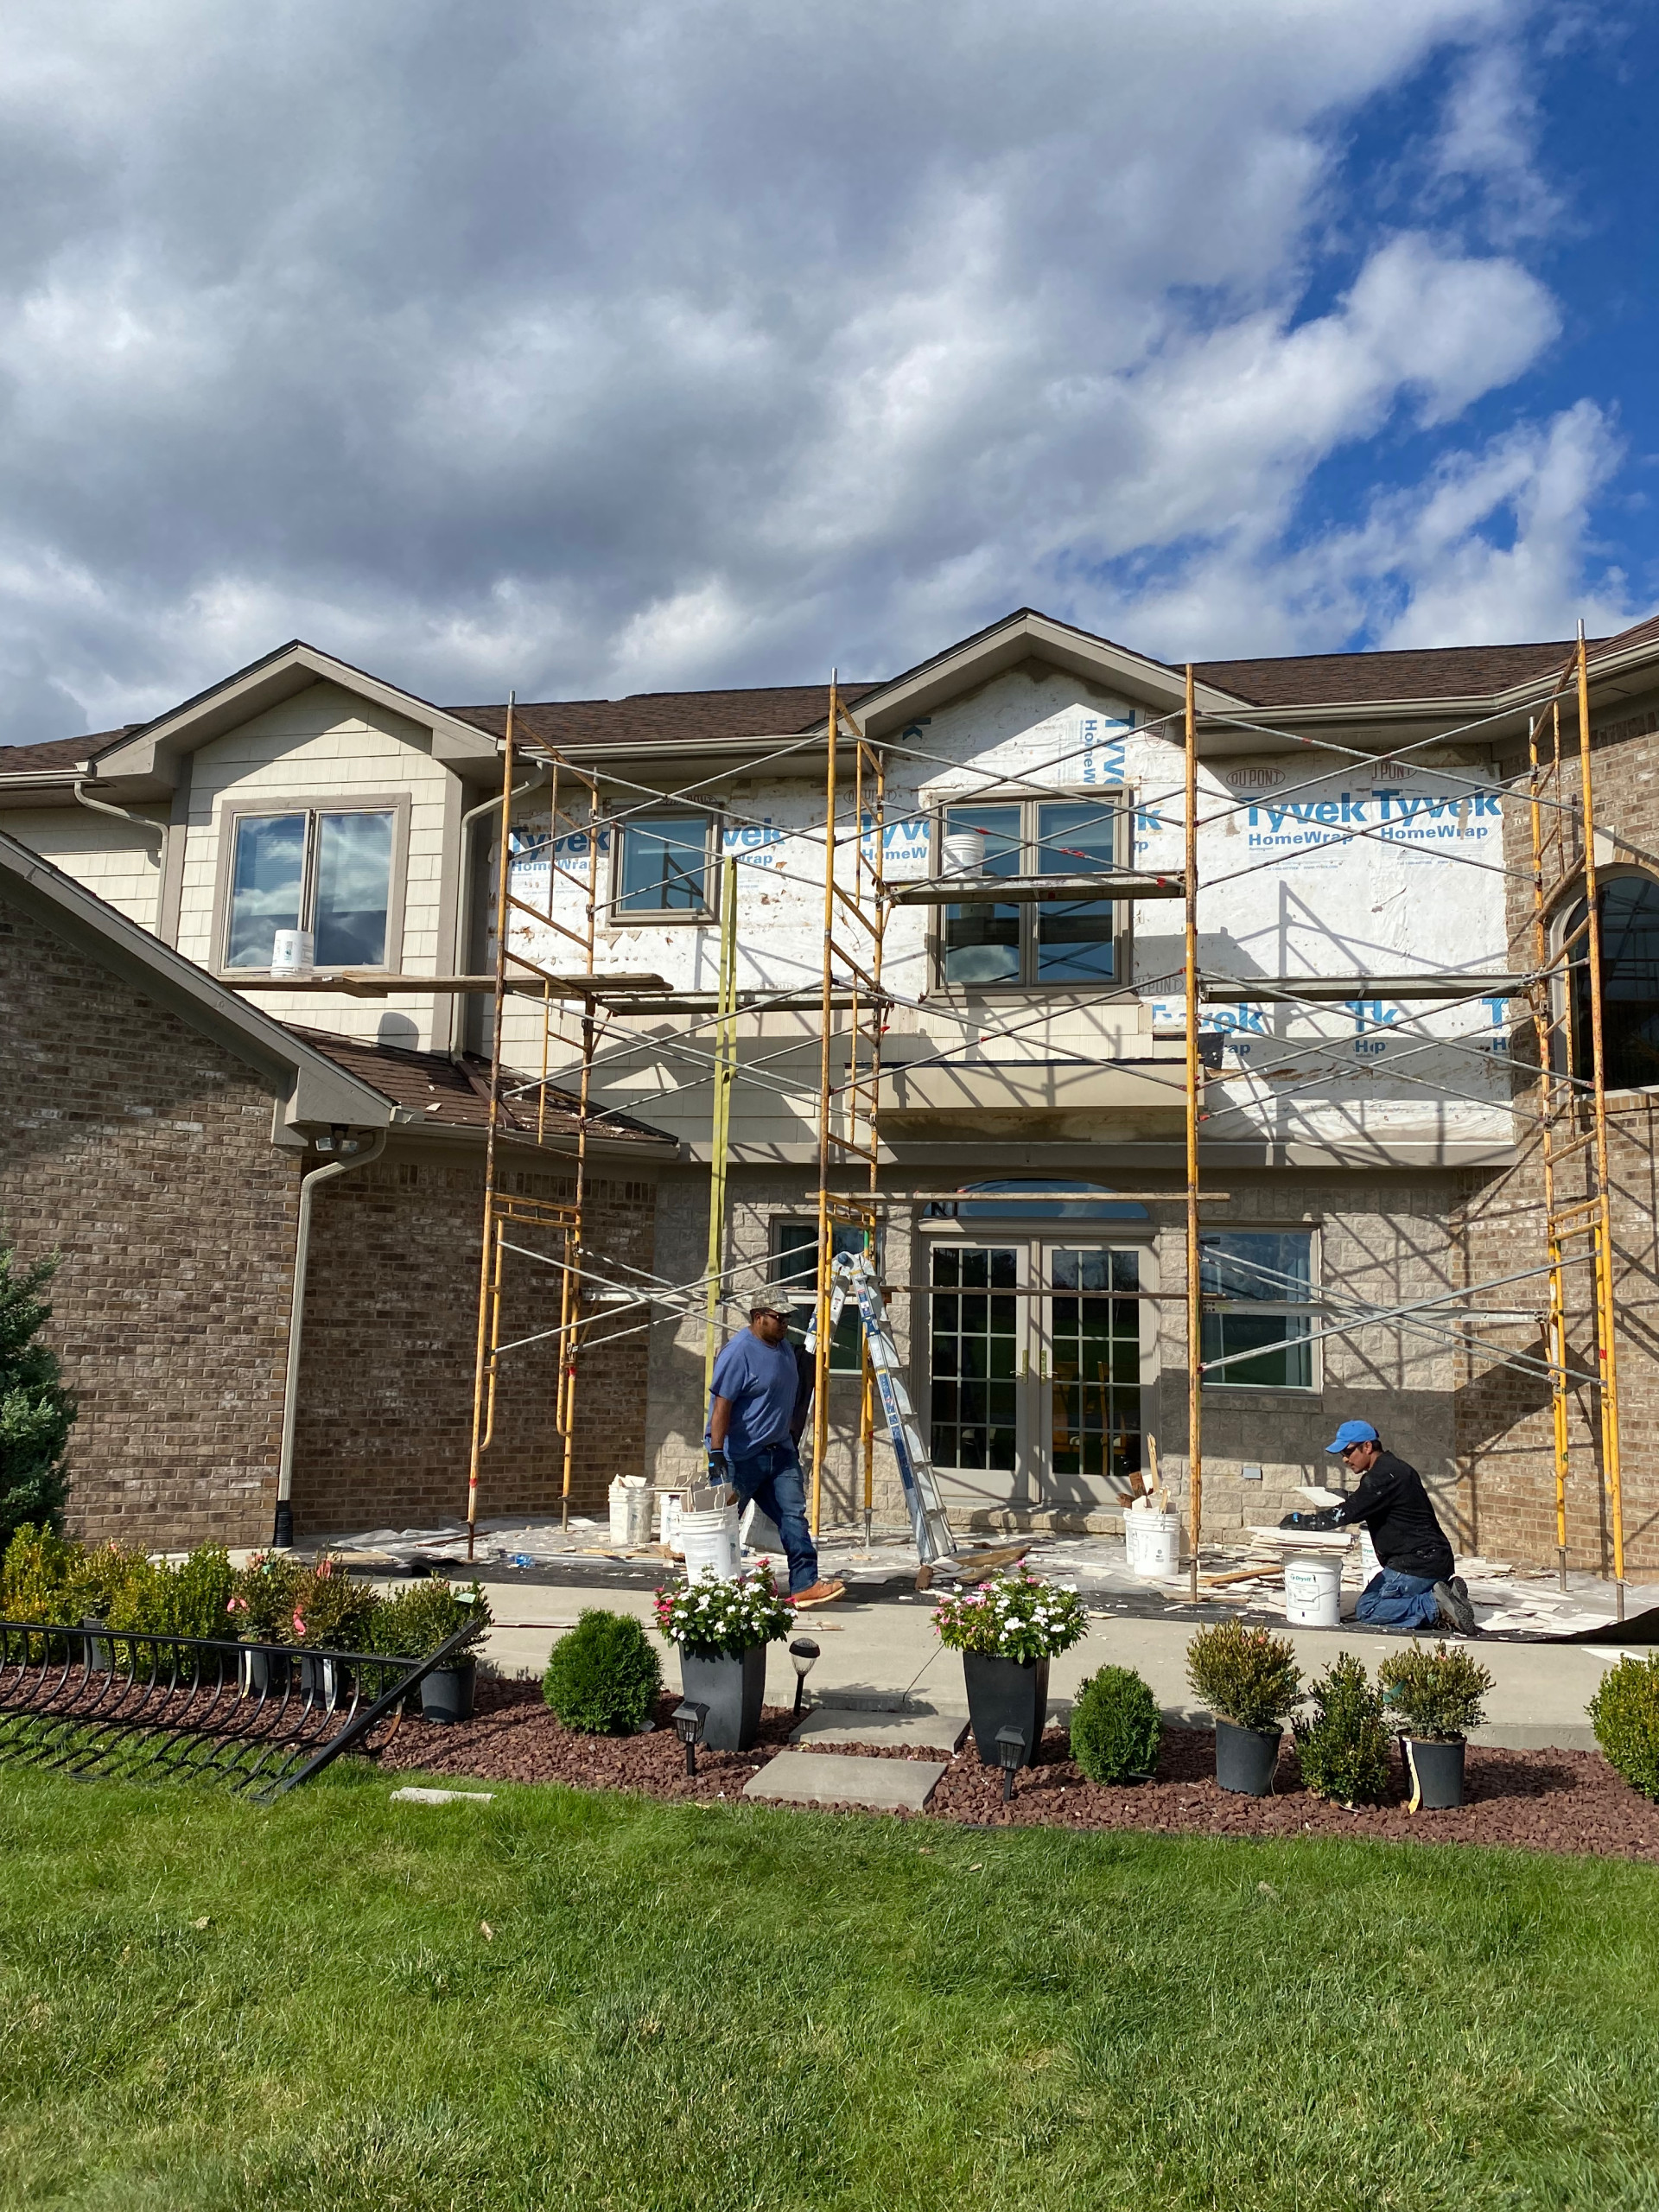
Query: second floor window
x=663 y=866
x=317 y=869
x=1629 y=985
x=1056 y=941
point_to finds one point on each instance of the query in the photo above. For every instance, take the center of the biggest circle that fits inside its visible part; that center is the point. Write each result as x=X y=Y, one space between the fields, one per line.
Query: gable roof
x=1353 y=679
x=313 y=1092
x=667 y=717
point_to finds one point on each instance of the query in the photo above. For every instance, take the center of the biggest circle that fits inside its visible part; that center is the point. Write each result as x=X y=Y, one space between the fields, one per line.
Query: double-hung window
x=665 y=868
x=1048 y=941
x=328 y=869
x=1257 y=1287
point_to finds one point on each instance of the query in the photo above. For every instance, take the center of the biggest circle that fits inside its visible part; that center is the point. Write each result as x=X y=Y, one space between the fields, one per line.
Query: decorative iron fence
x=261 y=1718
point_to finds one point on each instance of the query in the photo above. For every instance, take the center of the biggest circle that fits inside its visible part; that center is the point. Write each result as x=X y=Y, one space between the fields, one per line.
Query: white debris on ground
x=1243 y=1575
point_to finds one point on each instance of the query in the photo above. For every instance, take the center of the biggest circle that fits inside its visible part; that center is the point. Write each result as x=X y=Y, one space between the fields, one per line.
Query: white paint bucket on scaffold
x=1151 y=1543
x=709 y=1543
x=964 y=852
x=1313 y=1589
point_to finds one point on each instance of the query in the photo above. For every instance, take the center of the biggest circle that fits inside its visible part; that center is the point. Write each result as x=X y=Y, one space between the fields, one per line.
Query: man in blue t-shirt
x=750 y=1410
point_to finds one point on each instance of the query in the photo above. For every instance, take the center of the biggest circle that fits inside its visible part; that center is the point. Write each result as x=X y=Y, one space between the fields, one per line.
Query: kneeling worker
x=755 y=1385
x=1416 y=1588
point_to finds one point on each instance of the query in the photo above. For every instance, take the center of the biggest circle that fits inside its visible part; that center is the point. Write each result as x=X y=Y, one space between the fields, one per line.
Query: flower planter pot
x=264 y=1674
x=324 y=1682
x=1435 y=1772
x=1246 y=1759
x=732 y=1689
x=447 y=1693
x=1005 y=1693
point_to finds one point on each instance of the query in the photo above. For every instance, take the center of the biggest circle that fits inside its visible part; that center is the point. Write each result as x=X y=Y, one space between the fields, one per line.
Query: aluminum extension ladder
x=853 y=1276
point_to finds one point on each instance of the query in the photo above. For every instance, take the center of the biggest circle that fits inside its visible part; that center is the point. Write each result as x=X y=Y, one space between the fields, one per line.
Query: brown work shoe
x=820 y=1593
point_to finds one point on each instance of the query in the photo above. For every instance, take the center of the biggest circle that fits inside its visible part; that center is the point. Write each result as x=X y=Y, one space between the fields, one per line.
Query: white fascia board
x=1029 y=636
x=152 y=755
x=312 y=1090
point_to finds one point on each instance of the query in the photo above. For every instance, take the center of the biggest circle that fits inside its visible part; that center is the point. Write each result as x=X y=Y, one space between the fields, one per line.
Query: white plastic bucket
x=293 y=952
x=964 y=852
x=709 y=1542
x=630 y=1510
x=1151 y=1543
x=671 y=1504
x=1313 y=1590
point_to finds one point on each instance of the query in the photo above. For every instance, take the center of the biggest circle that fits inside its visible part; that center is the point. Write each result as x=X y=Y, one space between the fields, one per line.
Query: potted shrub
x=604 y=1676
x=1008 y=1629
x=721 y=1630
x=1116 y=1727
x=263 y=1596
x=1344 y=1749
x=1624 y=1714
x=416 y=1621
x=1249 y=1678
x=1433 y=1698
x=332 y=1612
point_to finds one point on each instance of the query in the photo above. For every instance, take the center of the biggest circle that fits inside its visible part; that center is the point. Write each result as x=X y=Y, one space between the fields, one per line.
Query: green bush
x=1343 y=1748
x=35 y=1574
x=1247 y=1675
x=333 y=1611
x=426 y=1614
x=1433 y=1696
x=1624 y=1714
x=263 y=1596
x=1116 y=1728
x=35 y=1411
x=604 y=1676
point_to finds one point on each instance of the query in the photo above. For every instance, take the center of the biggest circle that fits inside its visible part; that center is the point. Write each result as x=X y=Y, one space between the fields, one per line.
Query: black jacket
x=1394 y=1505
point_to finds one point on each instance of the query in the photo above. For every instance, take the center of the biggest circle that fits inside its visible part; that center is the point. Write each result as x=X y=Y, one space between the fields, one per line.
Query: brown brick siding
x=142 y=1152
x=387 y=1378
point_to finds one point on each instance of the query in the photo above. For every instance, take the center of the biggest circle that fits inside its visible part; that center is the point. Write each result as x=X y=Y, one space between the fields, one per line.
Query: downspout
x=464 y=887
x=156 y=830
x=282 y=1534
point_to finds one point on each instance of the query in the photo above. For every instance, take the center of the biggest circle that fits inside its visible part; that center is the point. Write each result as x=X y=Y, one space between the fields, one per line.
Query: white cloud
x=592 y=349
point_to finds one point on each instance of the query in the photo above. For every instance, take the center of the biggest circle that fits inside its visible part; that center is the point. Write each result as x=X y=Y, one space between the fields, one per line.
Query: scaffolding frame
x=1572 y=1117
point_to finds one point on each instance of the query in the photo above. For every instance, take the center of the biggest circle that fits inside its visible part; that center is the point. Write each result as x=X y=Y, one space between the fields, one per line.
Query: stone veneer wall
x=142 y=1151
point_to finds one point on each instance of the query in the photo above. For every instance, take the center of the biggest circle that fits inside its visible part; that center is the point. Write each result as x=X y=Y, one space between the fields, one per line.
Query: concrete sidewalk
x=884 y=1656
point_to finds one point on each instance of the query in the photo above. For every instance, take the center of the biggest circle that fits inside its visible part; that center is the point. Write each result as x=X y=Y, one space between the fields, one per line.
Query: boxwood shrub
x=1116 y=1728
x=1624 y=1714
x=604 y=1676
x=1343 y=1747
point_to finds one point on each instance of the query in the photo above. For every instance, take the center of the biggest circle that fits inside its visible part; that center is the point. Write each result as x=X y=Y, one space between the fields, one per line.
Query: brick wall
x=142 y=1152
x=1505 y=1436
x=386 y=1379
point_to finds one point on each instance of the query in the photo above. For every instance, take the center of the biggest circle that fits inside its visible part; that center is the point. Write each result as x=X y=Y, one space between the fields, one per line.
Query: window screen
x=664 y=866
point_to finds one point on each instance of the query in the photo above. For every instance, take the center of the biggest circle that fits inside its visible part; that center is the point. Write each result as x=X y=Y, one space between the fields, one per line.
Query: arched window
x=1630 y=984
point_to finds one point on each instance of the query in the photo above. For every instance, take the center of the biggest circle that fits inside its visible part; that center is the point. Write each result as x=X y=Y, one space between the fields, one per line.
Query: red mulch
x=1534 y=1801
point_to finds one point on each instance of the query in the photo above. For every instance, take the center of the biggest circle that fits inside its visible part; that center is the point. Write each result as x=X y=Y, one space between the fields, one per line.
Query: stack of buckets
x=630 y=1511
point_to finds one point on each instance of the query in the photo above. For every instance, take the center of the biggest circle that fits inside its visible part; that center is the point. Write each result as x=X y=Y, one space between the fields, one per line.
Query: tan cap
x=769 y=1305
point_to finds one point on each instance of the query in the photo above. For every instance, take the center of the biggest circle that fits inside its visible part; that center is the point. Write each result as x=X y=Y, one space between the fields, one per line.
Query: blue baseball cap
x=1354 y=1431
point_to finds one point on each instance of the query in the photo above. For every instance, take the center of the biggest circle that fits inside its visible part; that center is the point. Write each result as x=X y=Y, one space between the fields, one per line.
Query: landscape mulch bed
x=1534 y=1800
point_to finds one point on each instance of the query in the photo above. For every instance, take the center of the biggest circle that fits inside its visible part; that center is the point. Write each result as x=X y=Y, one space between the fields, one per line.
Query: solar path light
x=1010 y=1757
x=802 y=1657
x=688 y=1726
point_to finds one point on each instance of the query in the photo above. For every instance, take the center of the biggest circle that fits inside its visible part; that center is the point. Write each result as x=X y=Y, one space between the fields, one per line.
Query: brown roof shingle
x=57 y=754
x=451 y=1095
x=661 y=717
x=1343 y=679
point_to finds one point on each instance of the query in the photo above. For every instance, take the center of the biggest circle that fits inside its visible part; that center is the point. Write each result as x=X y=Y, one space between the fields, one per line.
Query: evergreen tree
x=35 y=1411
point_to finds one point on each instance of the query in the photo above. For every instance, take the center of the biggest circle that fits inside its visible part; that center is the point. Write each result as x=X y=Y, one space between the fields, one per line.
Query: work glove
x=1324 y=1518
x=720 y=1467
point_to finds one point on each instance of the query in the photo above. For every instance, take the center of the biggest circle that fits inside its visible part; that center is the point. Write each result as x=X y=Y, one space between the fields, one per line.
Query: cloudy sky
x=651 y=344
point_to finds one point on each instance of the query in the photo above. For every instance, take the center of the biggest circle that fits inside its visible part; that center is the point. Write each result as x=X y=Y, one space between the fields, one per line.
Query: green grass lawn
x=207 y=2005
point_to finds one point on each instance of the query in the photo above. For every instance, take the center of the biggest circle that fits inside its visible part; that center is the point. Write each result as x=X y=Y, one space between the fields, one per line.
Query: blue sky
x=618 y=345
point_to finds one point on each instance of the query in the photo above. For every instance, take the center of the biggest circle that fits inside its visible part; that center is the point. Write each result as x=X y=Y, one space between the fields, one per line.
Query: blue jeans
x=772 y=1479
x=1398 y=1601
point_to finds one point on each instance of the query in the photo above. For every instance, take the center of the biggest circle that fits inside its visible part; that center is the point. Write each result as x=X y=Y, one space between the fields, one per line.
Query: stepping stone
x=443 y=1796
x=821 y=1778
x=919 y=1729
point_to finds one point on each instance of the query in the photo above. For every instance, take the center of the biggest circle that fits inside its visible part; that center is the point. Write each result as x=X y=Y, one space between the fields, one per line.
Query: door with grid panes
x=1036 y=1371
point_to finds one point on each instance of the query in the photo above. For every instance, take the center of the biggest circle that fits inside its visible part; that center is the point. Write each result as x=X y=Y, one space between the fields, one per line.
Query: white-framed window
x=1257 y=1285
x=333 y=868
x=795 y=1269
x=1629 y=904
x=1050 y=943
x=664 y=867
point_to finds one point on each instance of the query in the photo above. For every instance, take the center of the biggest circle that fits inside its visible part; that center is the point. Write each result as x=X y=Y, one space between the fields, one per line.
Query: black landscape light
x=688 y=1726
x=1010 y=1757
x=802 y=1657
